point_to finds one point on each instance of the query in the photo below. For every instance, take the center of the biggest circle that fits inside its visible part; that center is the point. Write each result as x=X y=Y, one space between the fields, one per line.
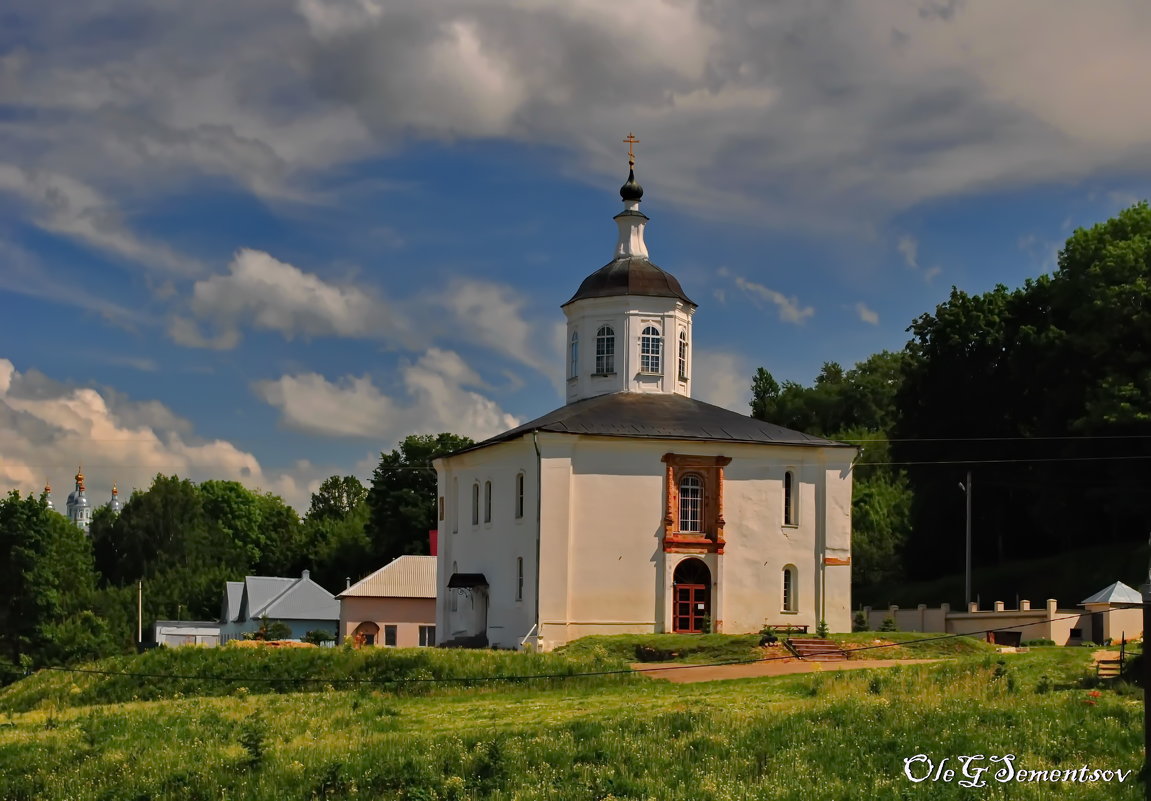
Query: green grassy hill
x=817 y=736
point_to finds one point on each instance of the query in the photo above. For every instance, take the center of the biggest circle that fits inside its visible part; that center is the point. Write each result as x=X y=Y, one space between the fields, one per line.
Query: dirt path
x=1099 y=656
x=688 y=673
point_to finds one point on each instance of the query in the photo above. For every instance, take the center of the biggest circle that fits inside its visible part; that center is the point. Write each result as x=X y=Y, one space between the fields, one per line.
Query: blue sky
x=267 y=242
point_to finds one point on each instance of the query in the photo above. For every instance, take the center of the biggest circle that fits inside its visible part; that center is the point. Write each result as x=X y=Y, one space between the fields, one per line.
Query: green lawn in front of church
x=830 y=735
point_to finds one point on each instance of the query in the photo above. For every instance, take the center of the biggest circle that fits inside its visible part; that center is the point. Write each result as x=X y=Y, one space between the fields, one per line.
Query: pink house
x=394 y=607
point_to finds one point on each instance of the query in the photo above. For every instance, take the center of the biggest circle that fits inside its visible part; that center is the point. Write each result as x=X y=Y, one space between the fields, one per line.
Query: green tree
x=336 y=497
x=47 y=584
x=402 y=498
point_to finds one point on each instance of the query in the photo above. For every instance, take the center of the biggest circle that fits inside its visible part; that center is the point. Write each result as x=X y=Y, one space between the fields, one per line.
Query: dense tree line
x=1043 y=392
x=65 y=596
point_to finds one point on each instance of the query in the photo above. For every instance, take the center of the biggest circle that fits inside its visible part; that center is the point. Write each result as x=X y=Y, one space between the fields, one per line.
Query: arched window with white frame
x=573 y=366
x=691 y=504
x=790 y=590
x=476 y=504
x=790 y=500
x=605 y=350
x=650 y=350
x=683 y=355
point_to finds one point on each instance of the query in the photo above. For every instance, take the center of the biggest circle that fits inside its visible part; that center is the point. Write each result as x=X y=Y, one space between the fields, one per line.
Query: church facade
x=78 y=508
x=635 y=508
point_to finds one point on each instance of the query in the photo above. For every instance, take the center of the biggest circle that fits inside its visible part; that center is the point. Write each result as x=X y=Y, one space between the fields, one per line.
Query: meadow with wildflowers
x=828 y=735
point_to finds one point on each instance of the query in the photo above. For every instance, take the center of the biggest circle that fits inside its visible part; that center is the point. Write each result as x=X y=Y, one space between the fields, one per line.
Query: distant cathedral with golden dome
x=79 y=510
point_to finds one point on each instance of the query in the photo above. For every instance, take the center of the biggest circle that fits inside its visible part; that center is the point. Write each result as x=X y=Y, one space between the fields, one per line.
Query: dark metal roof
x=630 y=275
x=466 y=581
x=658 y=416
x=631 y=190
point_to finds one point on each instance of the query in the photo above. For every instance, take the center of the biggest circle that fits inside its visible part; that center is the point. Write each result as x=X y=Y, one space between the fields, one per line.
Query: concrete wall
x=1046 y=622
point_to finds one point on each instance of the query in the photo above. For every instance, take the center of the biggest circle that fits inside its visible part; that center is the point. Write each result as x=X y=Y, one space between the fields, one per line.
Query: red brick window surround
x=693 y=522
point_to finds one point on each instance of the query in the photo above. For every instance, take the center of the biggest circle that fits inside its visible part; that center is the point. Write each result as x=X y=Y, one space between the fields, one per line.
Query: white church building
x=635 y=508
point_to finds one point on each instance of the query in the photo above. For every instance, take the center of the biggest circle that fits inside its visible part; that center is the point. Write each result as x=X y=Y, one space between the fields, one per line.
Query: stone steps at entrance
x=814 y=649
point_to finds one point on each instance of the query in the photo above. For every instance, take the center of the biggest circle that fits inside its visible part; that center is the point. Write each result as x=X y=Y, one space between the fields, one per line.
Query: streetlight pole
x=966 y=487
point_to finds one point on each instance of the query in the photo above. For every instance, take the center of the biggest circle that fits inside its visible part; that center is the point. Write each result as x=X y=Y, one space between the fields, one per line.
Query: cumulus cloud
x=434 y=399
x=50 y=427
x=820 y=113
x=266 y=293
x=790 y=310
x=867 y=315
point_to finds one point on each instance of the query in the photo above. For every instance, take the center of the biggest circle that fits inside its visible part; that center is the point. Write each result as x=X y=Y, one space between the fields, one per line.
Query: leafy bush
x=889 y=624
x=1037 y=642
x=859 y=621
x=319 y=637
x=678 y=647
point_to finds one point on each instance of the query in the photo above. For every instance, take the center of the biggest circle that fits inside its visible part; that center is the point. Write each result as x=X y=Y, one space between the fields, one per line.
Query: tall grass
x=823 y=736
x=165 y=673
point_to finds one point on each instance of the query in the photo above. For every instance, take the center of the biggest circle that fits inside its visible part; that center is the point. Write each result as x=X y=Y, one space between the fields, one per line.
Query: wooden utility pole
x=139 y=614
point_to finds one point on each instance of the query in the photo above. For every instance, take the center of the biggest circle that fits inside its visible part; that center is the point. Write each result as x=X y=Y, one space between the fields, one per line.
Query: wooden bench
x=788 y=629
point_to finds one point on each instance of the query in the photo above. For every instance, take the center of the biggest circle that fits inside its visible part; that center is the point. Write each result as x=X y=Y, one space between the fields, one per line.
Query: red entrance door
x=691 y=607
x=691 y=598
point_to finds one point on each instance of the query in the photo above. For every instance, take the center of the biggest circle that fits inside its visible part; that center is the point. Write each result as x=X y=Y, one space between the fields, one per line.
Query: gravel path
x=688 y=674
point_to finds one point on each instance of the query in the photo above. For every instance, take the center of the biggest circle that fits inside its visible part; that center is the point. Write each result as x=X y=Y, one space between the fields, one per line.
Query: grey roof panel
x=659 y=416
x=1117 y=593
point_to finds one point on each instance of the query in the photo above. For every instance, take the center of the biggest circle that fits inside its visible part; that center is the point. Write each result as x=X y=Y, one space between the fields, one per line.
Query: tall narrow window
x=690 y=503
x=605 y=350
x=441 y=508
x=789 y=499
x=573 y=367
x=427 y=636
x=487 y=501
x=455 y=507
x=519 y=495
x=475 y=504
x=519 y=578
x=390 y=635
x=650 y=347
x=790 y=604
x=683 y=355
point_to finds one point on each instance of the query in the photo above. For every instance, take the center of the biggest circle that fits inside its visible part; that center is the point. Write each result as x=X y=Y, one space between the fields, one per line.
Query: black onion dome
x=630 y=275
x=631 y=190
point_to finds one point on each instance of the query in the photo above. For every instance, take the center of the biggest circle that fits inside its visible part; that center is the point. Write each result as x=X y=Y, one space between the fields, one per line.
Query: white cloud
x=268 y=294
x=723 y=379
x=49 y=428
x=909 y=247
x=63 y=205
x=433 y=400
x=790 y=310
x=866 y=314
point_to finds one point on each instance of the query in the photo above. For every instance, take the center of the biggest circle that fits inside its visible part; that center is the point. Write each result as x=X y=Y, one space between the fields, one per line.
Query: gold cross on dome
x=631 y=140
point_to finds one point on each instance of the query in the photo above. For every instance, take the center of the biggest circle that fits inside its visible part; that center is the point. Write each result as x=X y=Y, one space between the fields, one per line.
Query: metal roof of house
x=405 y=577
x=304 y=599
x=659 y=416
x=259 y=591
x=233 y=597
x=1117 y=593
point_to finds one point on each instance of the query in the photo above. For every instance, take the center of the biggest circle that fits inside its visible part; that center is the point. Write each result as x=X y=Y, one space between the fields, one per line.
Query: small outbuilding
x=1116 y=612
x=395 y=606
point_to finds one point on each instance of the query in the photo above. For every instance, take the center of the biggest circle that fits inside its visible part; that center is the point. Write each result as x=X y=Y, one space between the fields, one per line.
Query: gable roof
x=1117 y=593
x=658 y=416
x=405 y=577
x=233 y=598
x=279 y=598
